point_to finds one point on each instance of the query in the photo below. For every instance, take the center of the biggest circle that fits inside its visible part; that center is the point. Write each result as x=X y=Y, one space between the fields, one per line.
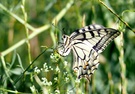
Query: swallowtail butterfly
x=87 y=43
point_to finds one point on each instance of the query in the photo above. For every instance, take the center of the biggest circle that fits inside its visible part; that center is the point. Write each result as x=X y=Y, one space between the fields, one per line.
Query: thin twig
x=123 y=66
x=16 y=17
x=27 y=34
x=120 y=43
x=33 y=34
x=35 y=31
x=6 y=72
x=117 y=16
x=6 y=91
x=29 y=66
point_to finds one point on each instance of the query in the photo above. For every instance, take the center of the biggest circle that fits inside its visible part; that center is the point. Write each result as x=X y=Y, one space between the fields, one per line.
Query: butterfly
x=87 y=43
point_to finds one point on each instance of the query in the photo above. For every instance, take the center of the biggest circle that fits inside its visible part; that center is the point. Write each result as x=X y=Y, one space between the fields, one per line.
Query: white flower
x=49 y=83
x=52 y=56
x=57 y=92
x=50 y=68
x=65 y=63
x=33 y=89
x=36 y=70
x=45 y=67
x=77 y=80
x=44 y=79
x=57 y=69
x=45 y=82
x=69 y=92
x=55 y=78
x=65 y=73
x=66 y=79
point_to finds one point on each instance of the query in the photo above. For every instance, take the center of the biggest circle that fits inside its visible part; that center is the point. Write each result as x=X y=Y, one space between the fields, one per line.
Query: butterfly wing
x=88 y=42
x=98 y=36
x=86 y=59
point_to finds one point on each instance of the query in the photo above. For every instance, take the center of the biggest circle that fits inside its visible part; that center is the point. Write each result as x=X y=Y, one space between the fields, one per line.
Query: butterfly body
x=86 y=44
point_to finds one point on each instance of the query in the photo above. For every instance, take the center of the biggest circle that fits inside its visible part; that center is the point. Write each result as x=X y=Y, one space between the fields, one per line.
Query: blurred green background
x=51 y=73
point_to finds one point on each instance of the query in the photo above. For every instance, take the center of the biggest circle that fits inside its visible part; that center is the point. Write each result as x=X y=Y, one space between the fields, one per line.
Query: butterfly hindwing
x=86 y=60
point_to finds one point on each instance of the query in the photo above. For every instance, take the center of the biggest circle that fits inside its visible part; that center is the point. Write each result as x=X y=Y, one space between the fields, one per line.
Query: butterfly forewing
x=86 y=43
x=105 y=39
x=89 y=28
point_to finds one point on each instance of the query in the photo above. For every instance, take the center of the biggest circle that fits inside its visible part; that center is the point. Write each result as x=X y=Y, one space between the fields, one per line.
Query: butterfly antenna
x=63 y=29
x=56 y=27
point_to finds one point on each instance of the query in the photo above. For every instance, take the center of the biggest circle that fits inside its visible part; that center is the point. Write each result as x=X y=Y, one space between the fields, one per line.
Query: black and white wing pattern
x=86 y=43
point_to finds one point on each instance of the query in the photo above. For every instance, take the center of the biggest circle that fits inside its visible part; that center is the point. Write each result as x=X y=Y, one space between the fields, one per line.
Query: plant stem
x=33 y=34
x=119 y=43
x=6 y=72
x=29 y=66
x=27 y=33
x=116 y=15
x=16 y=17
x=37 y=30
x=123 y=67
